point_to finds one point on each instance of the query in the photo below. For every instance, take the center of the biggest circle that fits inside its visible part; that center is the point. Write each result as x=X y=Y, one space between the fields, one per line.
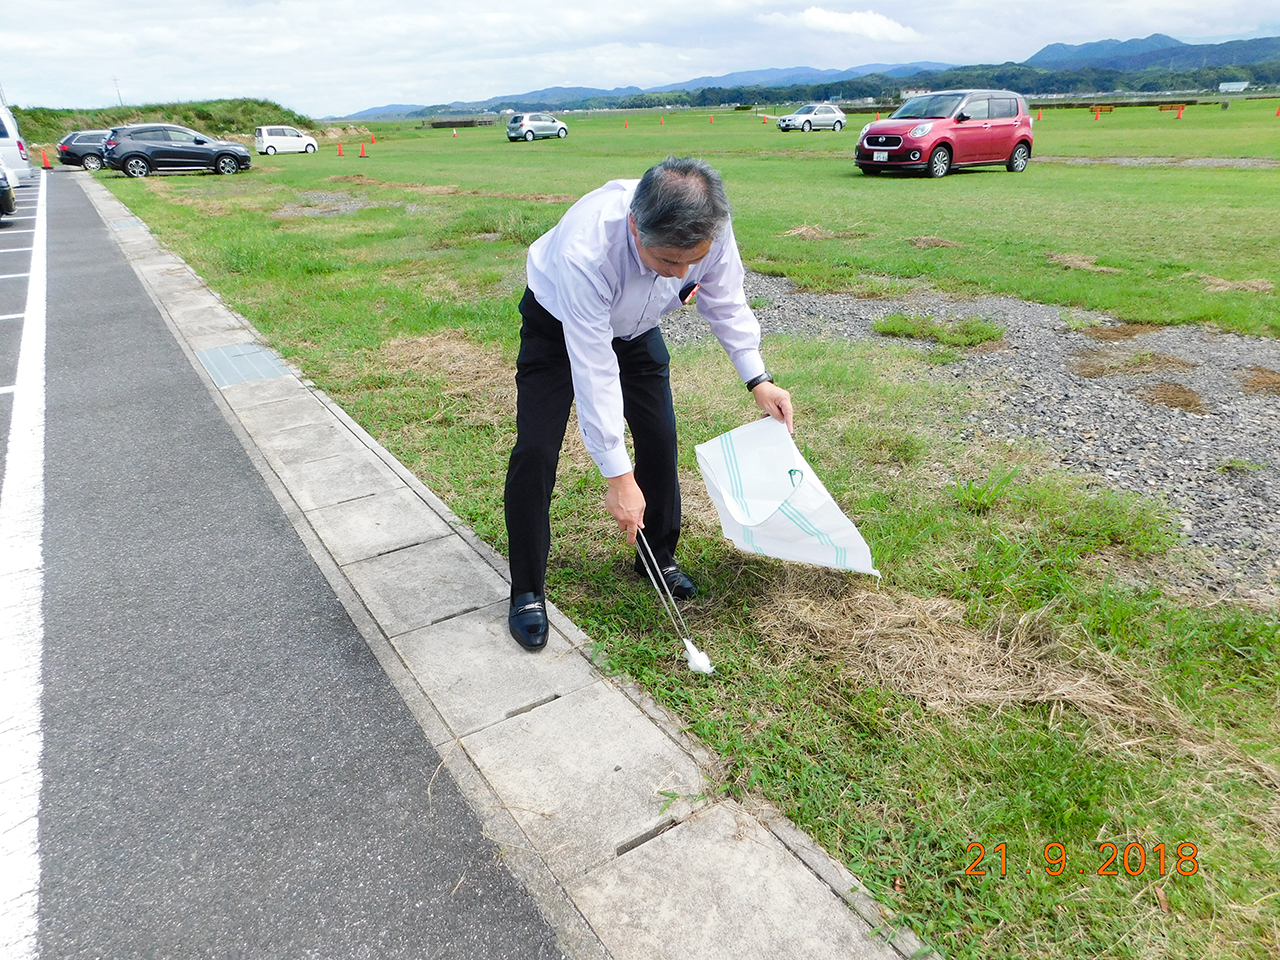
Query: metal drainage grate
x=242 y=362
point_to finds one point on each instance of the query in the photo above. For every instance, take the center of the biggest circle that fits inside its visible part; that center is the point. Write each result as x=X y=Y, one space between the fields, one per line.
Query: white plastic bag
x=772 y=503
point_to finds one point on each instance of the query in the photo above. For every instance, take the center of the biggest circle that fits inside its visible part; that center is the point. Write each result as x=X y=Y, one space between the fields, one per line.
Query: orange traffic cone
x=713 y=118
x=372 y=138
x=1039 y=114
x=877 y=114
x=455 y=134
x=1097 y=113
x=1278 y=111
x=661 y=121
x=1179 y=116
x=45 y=160
x=625 y=125
x=339 y=148
x=362 y=148
x=764 y=119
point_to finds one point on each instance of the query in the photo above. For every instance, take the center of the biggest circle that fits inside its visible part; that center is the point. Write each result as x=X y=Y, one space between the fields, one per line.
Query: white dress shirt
x=586 y=273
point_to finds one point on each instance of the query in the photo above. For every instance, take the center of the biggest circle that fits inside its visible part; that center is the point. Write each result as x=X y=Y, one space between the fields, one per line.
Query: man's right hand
x=625 y=503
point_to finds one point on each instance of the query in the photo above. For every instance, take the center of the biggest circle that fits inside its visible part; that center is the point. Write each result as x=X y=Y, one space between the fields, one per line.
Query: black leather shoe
x=682 y=588
x=527 y=618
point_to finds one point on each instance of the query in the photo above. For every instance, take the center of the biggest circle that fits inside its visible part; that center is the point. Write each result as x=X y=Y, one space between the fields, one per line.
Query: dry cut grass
x=1120 y=331
x=930 y=242
x=1108 y=363
x=1219 y=285
x=1170 y=394
x=1080 y=261
x=1262 y=380
x=923 y=648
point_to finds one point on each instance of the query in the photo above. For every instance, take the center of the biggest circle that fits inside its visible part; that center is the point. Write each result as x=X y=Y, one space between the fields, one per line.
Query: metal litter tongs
x=699 y=662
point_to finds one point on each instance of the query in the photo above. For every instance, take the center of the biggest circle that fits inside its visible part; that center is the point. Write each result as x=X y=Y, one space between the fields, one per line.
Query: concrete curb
x=593 y=791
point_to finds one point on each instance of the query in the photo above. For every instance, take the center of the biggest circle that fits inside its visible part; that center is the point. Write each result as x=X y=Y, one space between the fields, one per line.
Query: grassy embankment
x=1022 y=676
x=43 y=125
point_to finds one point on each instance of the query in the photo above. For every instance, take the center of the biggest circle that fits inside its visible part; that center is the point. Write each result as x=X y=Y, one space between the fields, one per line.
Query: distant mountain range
x=1157 y=50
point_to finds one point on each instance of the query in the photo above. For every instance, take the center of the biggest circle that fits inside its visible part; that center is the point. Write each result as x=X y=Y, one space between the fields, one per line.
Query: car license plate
x=880 y=156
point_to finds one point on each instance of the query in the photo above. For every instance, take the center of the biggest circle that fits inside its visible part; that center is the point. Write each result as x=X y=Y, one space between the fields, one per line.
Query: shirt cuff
x=749 y=364
x=613 y=463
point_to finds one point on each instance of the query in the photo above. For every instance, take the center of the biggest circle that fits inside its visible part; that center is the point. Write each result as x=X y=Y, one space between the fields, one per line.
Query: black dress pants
x=544 y=394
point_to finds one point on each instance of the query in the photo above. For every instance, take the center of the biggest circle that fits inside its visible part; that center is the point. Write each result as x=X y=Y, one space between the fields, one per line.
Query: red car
x=937 y=132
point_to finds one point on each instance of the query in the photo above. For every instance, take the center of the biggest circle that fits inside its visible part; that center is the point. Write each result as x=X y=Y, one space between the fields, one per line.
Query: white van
x=12 y=148
x=272 y=140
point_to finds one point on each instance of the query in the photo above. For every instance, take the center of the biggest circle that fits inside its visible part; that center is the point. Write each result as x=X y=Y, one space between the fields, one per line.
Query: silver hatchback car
x=535 y=126
x=813 y=116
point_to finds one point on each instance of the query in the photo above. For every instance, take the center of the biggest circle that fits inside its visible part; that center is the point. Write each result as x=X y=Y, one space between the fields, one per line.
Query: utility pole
x=118 y=97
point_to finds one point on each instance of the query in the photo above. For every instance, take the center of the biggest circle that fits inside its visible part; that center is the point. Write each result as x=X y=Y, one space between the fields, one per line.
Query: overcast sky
x=334 y=57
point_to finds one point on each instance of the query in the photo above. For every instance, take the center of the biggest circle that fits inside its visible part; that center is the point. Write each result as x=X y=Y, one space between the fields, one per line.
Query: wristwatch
x=754 y=382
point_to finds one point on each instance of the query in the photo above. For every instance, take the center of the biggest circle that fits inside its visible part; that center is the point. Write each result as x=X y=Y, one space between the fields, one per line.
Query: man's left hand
x=774 y=401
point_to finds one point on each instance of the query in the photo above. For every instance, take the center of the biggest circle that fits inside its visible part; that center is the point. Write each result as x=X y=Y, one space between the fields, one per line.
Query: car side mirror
x=201 y=140
x=963 y=117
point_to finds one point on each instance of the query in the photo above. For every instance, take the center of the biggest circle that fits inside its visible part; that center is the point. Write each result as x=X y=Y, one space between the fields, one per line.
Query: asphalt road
x=226 y=770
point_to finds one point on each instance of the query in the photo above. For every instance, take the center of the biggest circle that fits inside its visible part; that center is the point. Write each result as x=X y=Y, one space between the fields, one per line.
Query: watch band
x=754 y=382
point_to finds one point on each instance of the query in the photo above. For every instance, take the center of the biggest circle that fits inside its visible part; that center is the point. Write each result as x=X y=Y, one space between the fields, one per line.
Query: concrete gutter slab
x=357 y=529
x=586 y=776
x=349 y=475
x=470 y=669
x=424 y=584
x=718 y=887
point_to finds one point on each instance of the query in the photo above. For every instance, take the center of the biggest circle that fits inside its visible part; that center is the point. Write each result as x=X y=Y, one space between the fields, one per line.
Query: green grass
x=1249 y=128
x=1161 y=227
x=1076 y=678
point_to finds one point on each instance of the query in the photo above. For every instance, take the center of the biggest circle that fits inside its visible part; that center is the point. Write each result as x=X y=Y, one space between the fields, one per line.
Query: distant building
x=1234 y=86
x=908 y=94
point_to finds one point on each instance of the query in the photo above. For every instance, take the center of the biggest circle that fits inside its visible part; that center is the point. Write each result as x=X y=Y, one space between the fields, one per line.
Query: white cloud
x=869 y=24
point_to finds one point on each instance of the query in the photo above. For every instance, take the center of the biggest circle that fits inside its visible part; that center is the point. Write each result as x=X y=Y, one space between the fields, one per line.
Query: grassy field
x=1161 y=231
x=1248 y=128
x=1023 y=675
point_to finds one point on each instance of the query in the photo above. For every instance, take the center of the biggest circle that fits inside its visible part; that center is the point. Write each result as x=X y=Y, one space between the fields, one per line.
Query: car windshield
x=804 y=110
x=927 y=108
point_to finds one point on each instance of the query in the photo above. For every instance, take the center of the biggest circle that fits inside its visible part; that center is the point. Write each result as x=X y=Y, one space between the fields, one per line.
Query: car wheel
x=528 y=136
x=806 y=126
x=136 y=167
x=227 y=165
x=562 y=132
x=939 y=162
x=836 y=128
x=91 y=161
x=311 y=148
x=271 y=151
x=1018 y=159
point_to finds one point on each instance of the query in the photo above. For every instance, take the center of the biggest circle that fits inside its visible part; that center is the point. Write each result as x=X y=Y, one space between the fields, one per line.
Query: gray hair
x=680 y=202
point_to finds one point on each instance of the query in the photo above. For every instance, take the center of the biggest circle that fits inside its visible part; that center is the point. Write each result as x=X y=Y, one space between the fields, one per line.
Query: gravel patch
x=319 y=203
x=1169 y=413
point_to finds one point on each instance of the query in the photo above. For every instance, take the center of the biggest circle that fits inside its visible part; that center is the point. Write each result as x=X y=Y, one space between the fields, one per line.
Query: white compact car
x=273 y=140
x=813 y=116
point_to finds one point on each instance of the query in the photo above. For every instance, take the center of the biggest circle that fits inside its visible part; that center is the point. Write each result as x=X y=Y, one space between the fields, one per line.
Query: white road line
x=22 y=622
x=4 y=390
x=11 y=316
x=13 y=276
x=13 y=249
